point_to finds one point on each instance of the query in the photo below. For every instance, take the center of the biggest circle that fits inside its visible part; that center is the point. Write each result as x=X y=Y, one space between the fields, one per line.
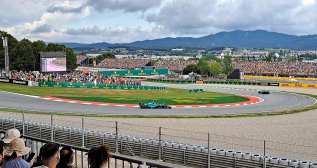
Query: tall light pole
x=6 y=54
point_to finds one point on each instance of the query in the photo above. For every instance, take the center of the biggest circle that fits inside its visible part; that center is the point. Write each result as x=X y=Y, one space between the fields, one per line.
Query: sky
x=124 y=21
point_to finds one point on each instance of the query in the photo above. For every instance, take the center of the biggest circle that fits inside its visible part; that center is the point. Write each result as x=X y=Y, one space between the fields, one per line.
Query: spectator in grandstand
x=9 y=136
x=50 y=155
x=13 y=156
x=39 y=161
x=66 y=158
x=1 y=152
x=99 y=157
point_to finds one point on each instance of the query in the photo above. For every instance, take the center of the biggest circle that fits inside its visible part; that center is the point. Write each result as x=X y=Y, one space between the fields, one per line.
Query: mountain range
x=237 y=38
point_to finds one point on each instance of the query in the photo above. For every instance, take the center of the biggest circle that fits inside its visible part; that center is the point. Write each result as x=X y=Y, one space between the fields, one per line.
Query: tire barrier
x=189 y=154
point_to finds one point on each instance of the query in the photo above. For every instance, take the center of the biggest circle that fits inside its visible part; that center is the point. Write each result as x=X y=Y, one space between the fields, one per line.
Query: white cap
x=10 y=135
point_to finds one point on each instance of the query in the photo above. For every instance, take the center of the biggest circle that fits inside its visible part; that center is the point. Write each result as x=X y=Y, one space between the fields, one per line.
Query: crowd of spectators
x=174 y=65
x=81 y=58
x=13 y=150
x=129 y=63
x=278 y=68
x=73 y=77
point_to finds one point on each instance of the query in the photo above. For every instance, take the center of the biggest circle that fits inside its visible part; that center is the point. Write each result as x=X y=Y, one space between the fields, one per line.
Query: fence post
x=160 y=143
x=264 y=164
x=208 y=150
x=83 y=141
x=23 y=124
x=116 y=137
x=52 y=136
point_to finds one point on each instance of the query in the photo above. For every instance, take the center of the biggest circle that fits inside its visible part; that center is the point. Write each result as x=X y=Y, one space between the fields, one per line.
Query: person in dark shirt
x=66 y=158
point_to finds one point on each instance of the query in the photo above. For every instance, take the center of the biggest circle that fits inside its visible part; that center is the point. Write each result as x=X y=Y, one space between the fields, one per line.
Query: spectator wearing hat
x=99 y=157
x=9 y=136
x=50 y=155
x=66 y=158
x=14 y=154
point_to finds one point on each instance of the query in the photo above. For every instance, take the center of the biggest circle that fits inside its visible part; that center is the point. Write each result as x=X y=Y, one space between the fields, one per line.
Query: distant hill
x=238 y=38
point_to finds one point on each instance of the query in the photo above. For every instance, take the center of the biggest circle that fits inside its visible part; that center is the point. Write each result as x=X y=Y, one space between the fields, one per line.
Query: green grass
x=207 y=99
x=170 y=96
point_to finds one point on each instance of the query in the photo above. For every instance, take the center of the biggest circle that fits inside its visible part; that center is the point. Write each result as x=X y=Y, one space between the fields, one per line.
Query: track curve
x=275 y=101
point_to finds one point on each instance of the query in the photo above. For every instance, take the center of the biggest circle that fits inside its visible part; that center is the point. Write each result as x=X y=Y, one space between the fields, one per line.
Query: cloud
x=102 y=5
x=205 y=17
x=115 y=35
x=45 y=28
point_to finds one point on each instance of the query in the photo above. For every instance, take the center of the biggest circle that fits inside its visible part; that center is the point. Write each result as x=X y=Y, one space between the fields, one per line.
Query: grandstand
x=129 y=63
x=82 y=59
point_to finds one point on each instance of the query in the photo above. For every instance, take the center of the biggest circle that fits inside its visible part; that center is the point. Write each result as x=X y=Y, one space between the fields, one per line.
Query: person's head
x=99 y=156
x=66 y=156
x=50 y=154
x=1 y=158
x=10 y=135
x=16 y=149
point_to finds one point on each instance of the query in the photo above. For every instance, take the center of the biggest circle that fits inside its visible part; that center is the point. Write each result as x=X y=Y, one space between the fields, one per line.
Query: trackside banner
x=14 y=81
x=270 y=84
x=313 y=86
x=98 y=86
x=136 y=72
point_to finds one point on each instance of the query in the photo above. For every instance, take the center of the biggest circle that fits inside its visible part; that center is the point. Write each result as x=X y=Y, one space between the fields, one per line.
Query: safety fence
x=197 y=149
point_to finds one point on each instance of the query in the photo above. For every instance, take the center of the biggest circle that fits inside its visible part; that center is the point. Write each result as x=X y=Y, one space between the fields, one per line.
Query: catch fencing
x=196 y=149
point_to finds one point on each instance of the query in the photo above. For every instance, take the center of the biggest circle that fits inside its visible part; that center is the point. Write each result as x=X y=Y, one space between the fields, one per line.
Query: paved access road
x=274 y=101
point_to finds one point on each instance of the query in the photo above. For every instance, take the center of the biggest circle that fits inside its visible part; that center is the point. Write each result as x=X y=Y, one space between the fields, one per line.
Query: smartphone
x=31 y=156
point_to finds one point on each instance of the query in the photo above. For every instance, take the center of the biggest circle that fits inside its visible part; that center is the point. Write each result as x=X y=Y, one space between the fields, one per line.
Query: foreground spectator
x=13 y=156
x=66 y=158
x=39 y=161
x=9 y=136
x=1 y=152
x=50 y=155
x=99 y=157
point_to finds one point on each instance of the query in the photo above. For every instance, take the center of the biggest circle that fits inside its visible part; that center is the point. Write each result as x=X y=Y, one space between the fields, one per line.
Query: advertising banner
x=98 y=86
x=14 y=81
x=313 y=86
x=136 y=72
x=269 y=84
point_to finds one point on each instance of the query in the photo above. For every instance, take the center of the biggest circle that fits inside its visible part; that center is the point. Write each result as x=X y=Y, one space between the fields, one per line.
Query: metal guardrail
x=187 y=154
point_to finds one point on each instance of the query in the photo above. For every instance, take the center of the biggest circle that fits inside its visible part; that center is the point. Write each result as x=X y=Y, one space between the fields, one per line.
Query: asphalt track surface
x=275 y=101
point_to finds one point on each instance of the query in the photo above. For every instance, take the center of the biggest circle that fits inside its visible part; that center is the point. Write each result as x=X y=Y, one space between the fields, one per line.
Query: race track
x=275 y=101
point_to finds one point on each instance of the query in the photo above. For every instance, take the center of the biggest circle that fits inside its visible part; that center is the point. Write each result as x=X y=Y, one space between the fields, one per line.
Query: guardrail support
x=83 y=141
x=264 y=160
x=116 y=137
x=160 y=143
x=208 y=150
x=23 y=124
x=52 y=136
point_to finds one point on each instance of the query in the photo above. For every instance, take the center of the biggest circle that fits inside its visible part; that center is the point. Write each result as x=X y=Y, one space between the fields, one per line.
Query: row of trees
x=23 y=54
x=101 y=57
x=219 y=66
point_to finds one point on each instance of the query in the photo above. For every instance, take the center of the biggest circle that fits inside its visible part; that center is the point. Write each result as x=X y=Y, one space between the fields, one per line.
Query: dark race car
x=153 y=105
x=264 y=92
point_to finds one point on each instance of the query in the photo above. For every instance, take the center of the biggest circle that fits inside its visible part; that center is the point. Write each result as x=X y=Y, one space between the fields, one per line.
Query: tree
x=227 y=65
x=215 y=68
x=24 y=59
x=71 y=59
x=203 y=67
x=190 y=68
x=108 y=55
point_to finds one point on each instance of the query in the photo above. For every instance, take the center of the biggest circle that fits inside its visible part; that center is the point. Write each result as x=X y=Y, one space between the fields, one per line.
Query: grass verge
x=170 y=96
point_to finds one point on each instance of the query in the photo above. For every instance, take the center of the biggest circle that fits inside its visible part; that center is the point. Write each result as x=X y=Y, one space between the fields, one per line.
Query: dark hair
x=100 y=156
x=13 y=156
x=49 y=150
x=39 y=162
x=66 y=155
